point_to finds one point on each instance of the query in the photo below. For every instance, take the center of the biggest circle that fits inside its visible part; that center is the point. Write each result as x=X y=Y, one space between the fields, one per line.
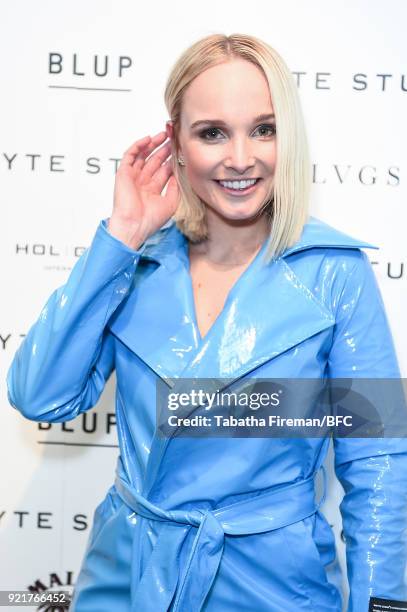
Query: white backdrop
x=81 y=82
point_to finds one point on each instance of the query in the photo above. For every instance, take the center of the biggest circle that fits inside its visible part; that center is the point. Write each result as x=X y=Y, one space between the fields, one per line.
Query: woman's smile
x=238 y=188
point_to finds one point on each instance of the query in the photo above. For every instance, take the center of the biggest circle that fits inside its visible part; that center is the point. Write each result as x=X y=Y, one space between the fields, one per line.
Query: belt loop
x=321 y=501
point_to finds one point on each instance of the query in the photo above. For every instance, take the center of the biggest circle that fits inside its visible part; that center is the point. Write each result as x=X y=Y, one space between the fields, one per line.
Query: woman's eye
x=269 y=129
x=211 y=133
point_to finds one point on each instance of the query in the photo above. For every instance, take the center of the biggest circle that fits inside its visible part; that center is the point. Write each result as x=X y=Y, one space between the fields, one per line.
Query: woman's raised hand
x=139 y=209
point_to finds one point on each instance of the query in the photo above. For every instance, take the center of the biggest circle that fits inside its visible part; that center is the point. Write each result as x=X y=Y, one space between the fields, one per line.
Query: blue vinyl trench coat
x=222 y=524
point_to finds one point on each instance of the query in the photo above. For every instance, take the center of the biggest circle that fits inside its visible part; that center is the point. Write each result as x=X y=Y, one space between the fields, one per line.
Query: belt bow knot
x=165 y=585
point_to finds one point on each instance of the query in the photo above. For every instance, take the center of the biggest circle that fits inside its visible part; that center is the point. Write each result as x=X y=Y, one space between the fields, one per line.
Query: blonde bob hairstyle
x=287 y=203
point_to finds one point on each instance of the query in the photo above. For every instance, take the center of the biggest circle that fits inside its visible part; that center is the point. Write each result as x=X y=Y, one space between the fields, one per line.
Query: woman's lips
x=238 y=192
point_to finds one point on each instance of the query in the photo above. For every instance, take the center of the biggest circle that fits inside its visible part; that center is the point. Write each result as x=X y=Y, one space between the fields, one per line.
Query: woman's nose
x=239 y=156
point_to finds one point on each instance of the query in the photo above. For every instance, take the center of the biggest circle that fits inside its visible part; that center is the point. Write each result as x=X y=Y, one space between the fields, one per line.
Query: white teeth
x=238 y=184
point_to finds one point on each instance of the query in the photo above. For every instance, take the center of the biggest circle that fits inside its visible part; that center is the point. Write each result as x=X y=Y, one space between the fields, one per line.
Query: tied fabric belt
x=164 y=585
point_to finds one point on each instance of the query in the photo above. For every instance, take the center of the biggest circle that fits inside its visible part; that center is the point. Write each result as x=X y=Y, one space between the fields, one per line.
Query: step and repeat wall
x=80 y=83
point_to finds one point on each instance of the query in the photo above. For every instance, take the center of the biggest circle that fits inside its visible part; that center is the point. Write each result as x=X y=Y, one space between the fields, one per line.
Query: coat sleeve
x=372 y=471
x=61 y=366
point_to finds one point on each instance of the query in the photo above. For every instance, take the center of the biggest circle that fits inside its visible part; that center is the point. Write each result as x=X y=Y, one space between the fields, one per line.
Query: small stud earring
x=181 y=161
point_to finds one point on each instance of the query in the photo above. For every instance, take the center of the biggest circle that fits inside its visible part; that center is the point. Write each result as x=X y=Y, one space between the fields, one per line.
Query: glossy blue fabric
x=222 y=524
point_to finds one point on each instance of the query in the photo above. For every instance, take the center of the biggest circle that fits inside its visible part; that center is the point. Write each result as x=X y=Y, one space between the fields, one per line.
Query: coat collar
x=169 y=241
x=268 y=311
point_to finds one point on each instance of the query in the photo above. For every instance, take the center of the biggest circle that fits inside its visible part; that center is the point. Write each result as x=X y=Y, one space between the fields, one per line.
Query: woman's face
x=234 y=140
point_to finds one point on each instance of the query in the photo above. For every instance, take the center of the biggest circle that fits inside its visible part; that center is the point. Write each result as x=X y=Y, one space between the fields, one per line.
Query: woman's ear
x=169 y=129
x=171 y=135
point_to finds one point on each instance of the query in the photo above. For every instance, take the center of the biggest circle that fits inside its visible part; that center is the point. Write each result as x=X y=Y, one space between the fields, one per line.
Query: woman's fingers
x=143 y=154
x=172 y=193
x=162 y=175
x=141 y=148
x=131 y=152
x=154 y=162
x=141 y=157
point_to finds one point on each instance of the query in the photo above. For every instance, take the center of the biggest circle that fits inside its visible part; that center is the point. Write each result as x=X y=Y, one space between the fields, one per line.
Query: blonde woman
x=210 y=267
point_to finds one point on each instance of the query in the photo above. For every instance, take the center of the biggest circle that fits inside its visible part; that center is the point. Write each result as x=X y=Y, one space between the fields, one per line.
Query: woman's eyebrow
x=263 y=117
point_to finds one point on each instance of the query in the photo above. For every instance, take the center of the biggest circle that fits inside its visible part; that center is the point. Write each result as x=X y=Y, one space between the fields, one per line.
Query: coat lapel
x=267 y=312
x=156 y=320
